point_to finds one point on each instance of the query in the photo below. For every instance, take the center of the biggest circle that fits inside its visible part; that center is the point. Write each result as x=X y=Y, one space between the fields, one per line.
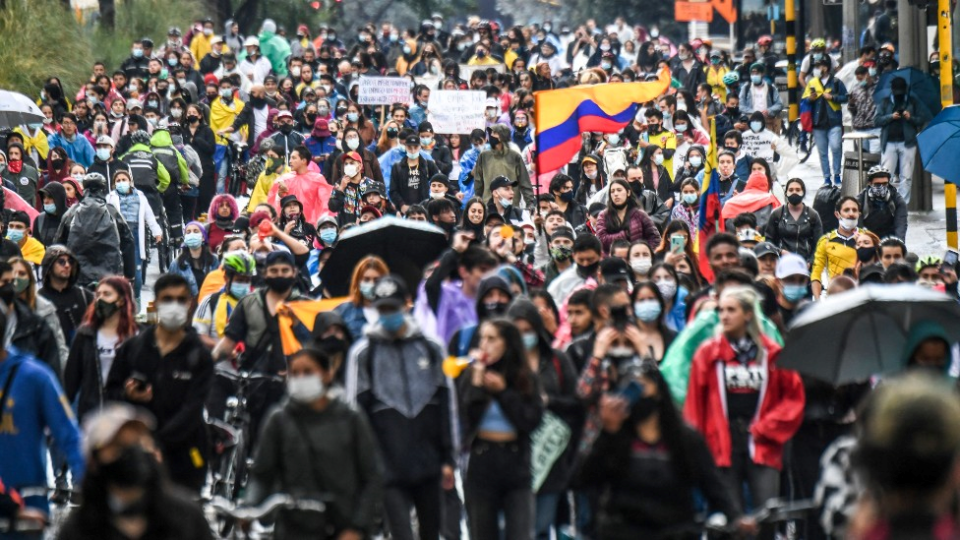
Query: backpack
x=95 y=240
x=825 y=204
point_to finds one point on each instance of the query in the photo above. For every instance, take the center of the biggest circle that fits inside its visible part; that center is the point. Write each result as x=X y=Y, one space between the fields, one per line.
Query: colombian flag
x=562 y=115
x=710 y=221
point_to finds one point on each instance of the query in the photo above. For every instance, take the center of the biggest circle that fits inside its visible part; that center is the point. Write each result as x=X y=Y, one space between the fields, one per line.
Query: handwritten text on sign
x=384 y=90
x=457 y=111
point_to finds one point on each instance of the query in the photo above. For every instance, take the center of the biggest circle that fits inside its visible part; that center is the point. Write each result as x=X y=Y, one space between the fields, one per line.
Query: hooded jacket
x=779 y=407
x=98 y=255
x=172 y=160
x=35 y=403
x=755 y=198
x=149 y=174
x=45 y=225
x=404 y=192
x=146 y=220
x=108 y=168
x=310 y=188
x=79 y=150
x=26 y=182
x=502 y=162
x=71 y=303
x=274 y=48
x=399 y=382
x=34 y=336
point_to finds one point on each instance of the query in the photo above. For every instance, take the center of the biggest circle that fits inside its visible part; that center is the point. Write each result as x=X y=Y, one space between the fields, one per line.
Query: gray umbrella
x=18 y=110
x=860 y=333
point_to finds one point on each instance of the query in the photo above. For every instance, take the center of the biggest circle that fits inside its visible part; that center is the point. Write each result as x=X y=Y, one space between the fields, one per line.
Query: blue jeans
x=546 y=508
x=828 y=142
x=138 y=260
x=221 y=163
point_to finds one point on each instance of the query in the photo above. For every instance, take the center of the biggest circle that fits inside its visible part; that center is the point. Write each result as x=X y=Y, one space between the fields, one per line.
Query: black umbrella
x=857 y=334
x=406 y=246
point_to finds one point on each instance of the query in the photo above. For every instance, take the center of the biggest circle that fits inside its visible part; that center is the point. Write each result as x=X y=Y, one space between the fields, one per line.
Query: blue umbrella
x=940 y=144
x=921 y=86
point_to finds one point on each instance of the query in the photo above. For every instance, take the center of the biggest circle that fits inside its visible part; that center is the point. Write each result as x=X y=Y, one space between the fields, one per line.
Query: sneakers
x=826 y=182
x=838 y=180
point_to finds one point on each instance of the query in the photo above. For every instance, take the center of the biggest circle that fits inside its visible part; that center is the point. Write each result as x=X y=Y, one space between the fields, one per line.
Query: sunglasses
x=64 y=262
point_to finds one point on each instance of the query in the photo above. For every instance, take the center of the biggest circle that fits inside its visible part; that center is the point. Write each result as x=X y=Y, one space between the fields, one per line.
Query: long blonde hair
x=749 y=302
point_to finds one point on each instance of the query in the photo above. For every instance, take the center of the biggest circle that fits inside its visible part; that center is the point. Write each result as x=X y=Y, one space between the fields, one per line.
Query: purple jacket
x=454 y=311
x=641 y=228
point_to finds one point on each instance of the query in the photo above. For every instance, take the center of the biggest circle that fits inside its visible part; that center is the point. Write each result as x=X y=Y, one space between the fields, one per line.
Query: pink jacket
x=641 y=228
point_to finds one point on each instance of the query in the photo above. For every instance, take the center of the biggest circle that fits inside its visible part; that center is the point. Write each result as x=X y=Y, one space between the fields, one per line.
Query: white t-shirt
x=106 y=351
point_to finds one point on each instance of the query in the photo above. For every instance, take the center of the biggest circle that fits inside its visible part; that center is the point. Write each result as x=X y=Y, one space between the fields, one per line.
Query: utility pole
x=851 y=30
x=944 y=29
x=790 y=17
x=912 y=46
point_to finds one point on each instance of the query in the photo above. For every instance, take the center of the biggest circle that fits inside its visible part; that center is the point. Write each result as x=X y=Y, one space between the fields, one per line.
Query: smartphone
x=140 y=379
x=619 y=317
x=677 y=243
x=632 y=392
x=950 y=260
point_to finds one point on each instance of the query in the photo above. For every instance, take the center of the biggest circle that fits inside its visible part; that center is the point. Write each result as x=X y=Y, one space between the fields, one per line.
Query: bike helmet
x=239 y=263
x=818 y=43
x=731 y=78
x=878 y=170
x=94 y=179
x=764 y=41
x=140 y=137
x=928 y=261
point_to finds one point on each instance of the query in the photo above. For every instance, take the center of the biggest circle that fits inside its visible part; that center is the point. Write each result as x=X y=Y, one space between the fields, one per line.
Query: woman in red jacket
x=624 y=219
x=745 y=407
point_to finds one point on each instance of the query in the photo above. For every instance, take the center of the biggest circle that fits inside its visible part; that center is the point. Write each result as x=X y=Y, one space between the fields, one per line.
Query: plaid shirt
x=862 y=107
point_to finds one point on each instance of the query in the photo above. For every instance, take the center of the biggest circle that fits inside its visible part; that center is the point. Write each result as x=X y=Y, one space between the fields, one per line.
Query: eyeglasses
x=64 y=261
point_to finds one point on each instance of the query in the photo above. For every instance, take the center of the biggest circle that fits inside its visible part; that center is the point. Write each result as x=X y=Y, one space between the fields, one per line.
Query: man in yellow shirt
x=837 y=250
x=658 y=135
x=481 y=57
x=223 y=111
x=18 y=232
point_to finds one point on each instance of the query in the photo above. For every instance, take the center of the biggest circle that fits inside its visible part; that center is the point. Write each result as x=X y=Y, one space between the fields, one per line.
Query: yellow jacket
x=262 y=188
x=32 y=250
x=509 y=57
x=200 y=47
x=485 y=61
x=835 y=254
x=38 y=142
x=715 y=80
x=222 y=117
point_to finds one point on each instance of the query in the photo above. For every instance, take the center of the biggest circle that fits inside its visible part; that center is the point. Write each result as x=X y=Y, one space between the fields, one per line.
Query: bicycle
x=228 y=511
x=716 y=526
x=232 y=434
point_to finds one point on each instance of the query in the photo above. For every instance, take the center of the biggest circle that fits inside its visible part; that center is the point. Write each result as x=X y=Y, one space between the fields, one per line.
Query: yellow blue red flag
x=562 y=115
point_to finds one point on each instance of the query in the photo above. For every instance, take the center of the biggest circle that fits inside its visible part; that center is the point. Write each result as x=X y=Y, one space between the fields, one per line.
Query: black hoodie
x=45 y=225
x=72 y=301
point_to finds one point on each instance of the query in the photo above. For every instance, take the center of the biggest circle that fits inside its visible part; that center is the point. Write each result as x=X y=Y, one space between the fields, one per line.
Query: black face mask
x=134 y=468
x=494 y=309
x=193 y=119
x=57 y=163
x=332 y=345
x=733 y=111
x=212 y=97
x=795 y=198
x=311 y=118
x=589 y=270
x=286 y=129
x=257 y=102
x=279 y=284
x=7 y=293
x=392 y=133
x=644 y=407
x=866 y=254
x=104 y=309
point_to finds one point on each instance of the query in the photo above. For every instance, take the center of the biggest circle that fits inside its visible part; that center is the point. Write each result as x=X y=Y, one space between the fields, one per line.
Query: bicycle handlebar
x=242 y=375
x=270 y=505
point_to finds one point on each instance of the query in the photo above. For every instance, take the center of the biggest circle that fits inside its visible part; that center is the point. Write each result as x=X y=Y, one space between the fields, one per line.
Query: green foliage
x=40 y=39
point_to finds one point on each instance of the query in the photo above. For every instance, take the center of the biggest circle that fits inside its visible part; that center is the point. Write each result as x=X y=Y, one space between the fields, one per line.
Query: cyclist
x=768 y=57
x=808 y=65
x=149 y=175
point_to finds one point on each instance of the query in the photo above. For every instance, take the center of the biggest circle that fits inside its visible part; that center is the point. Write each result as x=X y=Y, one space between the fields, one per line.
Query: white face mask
x=305 y=389
x=849 y=224
x=350 y=170
x=641 y=265
x=172 y=315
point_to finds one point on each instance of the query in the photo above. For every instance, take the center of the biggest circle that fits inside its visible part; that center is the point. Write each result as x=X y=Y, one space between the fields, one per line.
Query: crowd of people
x=583 y=357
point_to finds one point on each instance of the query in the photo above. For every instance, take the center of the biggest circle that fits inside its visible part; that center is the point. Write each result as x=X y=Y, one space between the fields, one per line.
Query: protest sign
x=547 y=444
x=456 y=111
x=467 y=70
x=384 y=90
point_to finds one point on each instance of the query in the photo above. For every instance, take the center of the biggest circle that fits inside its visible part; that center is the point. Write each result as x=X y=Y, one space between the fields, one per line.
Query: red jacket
x=779 y=415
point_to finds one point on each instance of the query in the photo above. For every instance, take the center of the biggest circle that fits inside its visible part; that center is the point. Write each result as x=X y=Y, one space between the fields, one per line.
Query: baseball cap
x=412 y=140
x=134 y=103
x=748 y=235
x=284 y=114
x=105 y=140
x=766 y=248
x=871 y=274
x=390 y=291
x=279 y=257
x=352 y=155
x=101 y=427
x=502 y=181
x=791 y=264
x=615 y=269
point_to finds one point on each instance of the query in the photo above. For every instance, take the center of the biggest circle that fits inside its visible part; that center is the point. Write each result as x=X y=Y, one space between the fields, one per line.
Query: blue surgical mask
x=794 y=293
x=681 y=128
x=413 y=155
x=391 y=322
x=50 y=208
x=239 y=290
x=506 y=203
x=137 y=53
x=696 y=161
x=755 y=79
x=647 y=310
x=426 y=141
x=756 y=126
x=123 y=188
x=193 y=240
x=103 y=154
x=328 y=235
x=14 y=235
x=690 y=198
x=366 y=289
x=353 y=117
x=530 y=340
